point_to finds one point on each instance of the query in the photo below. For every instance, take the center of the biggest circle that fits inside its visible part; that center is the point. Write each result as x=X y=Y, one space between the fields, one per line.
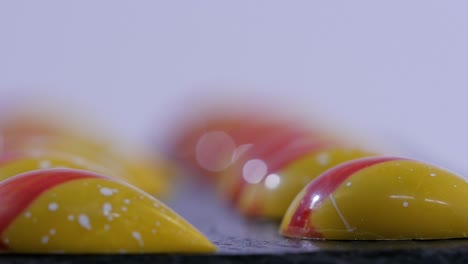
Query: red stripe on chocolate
x=255 y=132
x=17 y=193
x=283 y=158
x=322 y=187
x=270 y=144
x=274 y=142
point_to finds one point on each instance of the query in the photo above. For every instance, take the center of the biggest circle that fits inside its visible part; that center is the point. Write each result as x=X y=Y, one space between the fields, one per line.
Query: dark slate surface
x=244 y=238
x=255 y=241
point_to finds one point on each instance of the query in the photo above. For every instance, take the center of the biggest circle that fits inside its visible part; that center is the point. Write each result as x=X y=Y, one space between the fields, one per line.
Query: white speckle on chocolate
x=44 y=164
x=323 y=159
x=106 y=208
x=53 y=206
x=138 y=238
x=106 y=191
x=405 y=204
x=83 y=220
x=45 y=239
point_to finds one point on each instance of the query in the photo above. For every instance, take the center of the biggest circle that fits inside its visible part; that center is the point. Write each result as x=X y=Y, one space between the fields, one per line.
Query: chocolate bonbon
x=380 y=198
x=75 y=211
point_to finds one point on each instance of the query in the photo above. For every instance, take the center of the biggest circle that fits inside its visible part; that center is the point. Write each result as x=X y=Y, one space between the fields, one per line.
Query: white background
x=397 y=67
